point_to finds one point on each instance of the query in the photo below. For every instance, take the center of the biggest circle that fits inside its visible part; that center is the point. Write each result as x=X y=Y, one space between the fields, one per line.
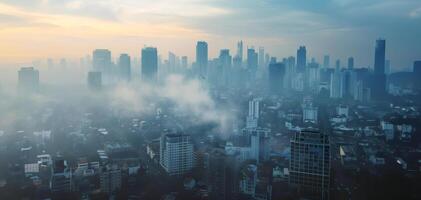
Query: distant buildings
x=301 y=59
x=310 y=164
x=202 y=59
x=149 y=64
x=176 y=153
x=110 y=179
x=351 y=63
x=28 y=78
x=276 y=77
x=253 y=114
x=124 y=67
x=101 y=60
x=252 y=62
x=94 y=80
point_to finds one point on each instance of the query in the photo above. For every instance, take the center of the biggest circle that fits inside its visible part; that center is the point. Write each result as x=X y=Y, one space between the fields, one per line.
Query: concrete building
x=176 y=153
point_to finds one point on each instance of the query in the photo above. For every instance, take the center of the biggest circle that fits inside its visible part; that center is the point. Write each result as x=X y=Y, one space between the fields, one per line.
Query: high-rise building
x=124 y=67
x=28 y=78
x=222 y=175
x=259 y=143
x=261 y=59
x=184 y=63
x=351 y=63
x=176 y=153
x=380 y=56
x=326 y=61
x=94 y=80
x=335 y=84
x=309 y=168
x=101 y=60
x=240 y=50
x=338 y=64
x=248 y=180
x=252 y=58
x=149 y=64
x=61 y=177
x=276 y=77
x=225 y=62
x=253 y=115
x=110 y=179
x=378 y=80
x=301 y=59
x=202 y=59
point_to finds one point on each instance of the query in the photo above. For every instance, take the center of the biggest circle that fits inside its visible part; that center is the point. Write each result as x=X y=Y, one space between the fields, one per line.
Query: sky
x=39 y=29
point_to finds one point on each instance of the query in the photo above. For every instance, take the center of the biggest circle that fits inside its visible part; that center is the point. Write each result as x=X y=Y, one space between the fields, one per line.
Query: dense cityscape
x=244 y=125
x=210 y=100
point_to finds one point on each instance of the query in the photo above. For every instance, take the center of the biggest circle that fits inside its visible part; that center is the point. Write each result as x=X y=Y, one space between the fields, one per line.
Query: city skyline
x=78 y=27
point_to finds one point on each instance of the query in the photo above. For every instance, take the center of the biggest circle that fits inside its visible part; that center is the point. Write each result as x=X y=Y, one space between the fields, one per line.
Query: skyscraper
x=380 y=56
x=276 y=77
x=261 y=57
x=94 y=80
x=253 y=115
x=110 y=178
x=350 y=63
x=225 y=62
x=202 y=59
x=310 y=164
x=28 y=78
x=101 y=60
x=378 y=81
x=301 y=59
x=176 y=153
x=240 y=50
x=124 y=67
x=252 y=63
x=149 y=64
x=184 y=62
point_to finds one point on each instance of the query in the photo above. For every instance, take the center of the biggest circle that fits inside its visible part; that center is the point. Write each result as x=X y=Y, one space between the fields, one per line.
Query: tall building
x=248 y=180
x=94 y=80
x=225 y=62
x=222 y=175
x=259 y=143
x=326 y=61
x=301 y=59
x=252 y=58
x=380 y=56
x=338 y=64
x=335 y=84
x=28 y=78
x=101 y=60
x=184 y=63
x=253 y=114
x=240 y=51
x=261 y=59
x=61 y=177
x=110 y=179
x=149 y=64
x=309 y=168
x=276 y=77
x=202 y=59
x=351 y=63
x=176 y=153
x=378 y=81
x=124 y=67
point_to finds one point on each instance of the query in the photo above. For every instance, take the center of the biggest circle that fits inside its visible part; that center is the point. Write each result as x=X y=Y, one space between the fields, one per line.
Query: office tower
x=240 y=50
x=61 y=177
x=301 y=59
x=259 y=143
x=248 y=180
x=348 y=81
x=176 y=153
x=101 y=60
x=124 y=67
x=94 y=80
x=261 y=59
x=149 y=64
x=276 y=77
x=225 y=62
x=172 y=62
x=202 y=59
x=326 y=61
x=335 y=84
x=313 y=76
x=110 y=179
x=380 y=56
x=184 y=63
x=253 y=115
x=378 y=81
x=222 y=175
x=417 y=74
x=309 y=168
x=28 y=78
x=350 y=63
x=252 y=63
x=338 y=64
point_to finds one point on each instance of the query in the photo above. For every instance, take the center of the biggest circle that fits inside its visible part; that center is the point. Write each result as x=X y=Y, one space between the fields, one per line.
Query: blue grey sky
x=35 y=29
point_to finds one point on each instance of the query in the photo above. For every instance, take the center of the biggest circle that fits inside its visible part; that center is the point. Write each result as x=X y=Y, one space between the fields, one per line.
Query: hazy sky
x=37 y=29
